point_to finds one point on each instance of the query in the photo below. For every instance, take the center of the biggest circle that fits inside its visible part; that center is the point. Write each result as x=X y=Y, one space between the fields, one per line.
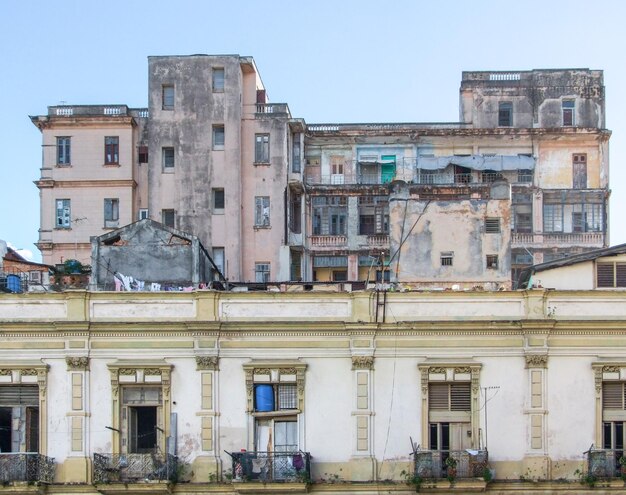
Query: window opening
x=505 y=114
x=63 y=150
x=111 y=150
x=218 y=79
x=168 y=97
x=262 y=148
x=568 y=107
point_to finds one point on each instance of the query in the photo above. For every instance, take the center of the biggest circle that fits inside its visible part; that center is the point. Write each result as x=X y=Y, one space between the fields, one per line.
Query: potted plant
x=450 y=469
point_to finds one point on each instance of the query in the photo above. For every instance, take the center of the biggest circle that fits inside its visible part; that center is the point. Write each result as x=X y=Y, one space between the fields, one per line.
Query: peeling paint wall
x=423 y=231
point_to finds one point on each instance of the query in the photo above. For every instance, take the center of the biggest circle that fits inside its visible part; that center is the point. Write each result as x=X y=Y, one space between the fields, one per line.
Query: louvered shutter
x=620 y=275
x=19 y=395
x=438 y=397
x=449 y=402
x=460 y=397
x=604 y=275
x=613 y=401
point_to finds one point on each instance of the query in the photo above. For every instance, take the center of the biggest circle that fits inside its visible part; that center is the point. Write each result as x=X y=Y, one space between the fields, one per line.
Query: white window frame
x=262 y=148
x=111 y=212
x=262 y=272
x=262 y=211
x=63 y=214
x=143 y=214
x=64 y=151
x=568 y=107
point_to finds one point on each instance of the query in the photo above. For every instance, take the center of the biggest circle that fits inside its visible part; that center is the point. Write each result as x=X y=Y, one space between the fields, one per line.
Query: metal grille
x=27 y=467
x=431 y=464
x=271 y=466
x=287 y=397
x=133 y=467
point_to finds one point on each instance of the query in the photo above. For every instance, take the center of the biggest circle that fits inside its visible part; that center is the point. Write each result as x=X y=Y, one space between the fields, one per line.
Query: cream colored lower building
x=342 y=392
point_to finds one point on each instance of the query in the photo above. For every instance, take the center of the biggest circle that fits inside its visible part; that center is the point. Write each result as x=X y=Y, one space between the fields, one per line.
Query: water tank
x=14 y=283
x=264 y=397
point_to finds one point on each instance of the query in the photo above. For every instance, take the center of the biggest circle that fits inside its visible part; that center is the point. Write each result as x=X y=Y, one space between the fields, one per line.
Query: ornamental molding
x=77 y=363
x=536 y=360
x=434 y=370
x=5 y=372
x=152 y=372
x=611 y=369
x=207 y=362
x=362 y=362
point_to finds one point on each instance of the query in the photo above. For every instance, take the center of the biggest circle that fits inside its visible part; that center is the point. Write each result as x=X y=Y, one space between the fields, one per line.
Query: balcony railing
x=272 y=109
x=328 y=240
x=604 y=463
x=26 y=466
x=271 y=466
x=434 y=464
x=124 y=468
x=378 y=240
x=549 y=239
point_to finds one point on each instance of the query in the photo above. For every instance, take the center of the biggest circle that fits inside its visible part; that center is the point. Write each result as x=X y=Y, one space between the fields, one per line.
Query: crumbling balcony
x=440 y=464
x=268 y=467
x=26 y=467
x=131 y=468
x=605 y=463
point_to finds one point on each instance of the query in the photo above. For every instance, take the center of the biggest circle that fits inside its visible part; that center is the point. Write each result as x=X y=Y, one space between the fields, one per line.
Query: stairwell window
x=63 y=214
x=167 y=97
x=262 y=148
x=218 y=200
x=447 y=258
x=218 y=79
x=168 y=218
x=568 y=108
x=168 y=157
x=218 y=137
x=262 y=211
x=111 y=213
x=64 y=150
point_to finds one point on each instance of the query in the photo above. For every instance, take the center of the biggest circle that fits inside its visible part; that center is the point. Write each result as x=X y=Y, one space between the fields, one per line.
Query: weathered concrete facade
x=273 y=198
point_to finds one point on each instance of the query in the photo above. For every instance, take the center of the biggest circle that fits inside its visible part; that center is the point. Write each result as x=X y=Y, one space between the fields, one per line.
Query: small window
x=218 y=200
x=505 y=114
x=492 y=225
x=168 y=97
x=34 y=276
x=168 y=159
x=218 y=79
x=111 y=212
x=524 y=175
x=63 y=214
x=492 y=262
x=63 y=151
x=219 y=260
x=262 y=211
x=446 y=258
x=143 y=154
x=262 y=148
x=168 y=218
x=143 y=213
x=579 y=170
x=111 y=150
x=218 y=137
x=568 y=108
x=262 y=272
x=295 y=159
x=340 y=275
x=552 y=218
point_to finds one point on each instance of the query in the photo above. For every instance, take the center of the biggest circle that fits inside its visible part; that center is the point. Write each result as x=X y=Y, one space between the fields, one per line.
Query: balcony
x=269 y=467
x=272 y=109
x=603 y=463
x=451 y=464
x=130 y=468
x=26 y=467
x=378 y=240
x=328 y=240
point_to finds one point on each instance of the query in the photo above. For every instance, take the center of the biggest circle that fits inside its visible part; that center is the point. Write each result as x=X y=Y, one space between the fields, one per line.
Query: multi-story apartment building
x=522 y=178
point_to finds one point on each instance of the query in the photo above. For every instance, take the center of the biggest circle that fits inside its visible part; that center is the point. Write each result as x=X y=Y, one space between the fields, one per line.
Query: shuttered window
x=22 y=395
x=613 y=395
x=449 y=397
x=611 y=275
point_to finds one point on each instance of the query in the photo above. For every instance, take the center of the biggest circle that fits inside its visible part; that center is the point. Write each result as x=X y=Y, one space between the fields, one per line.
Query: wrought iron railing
x=604 y=463
x=26 y=466
x=124 y=468
x=434 y=464
x=271 y=466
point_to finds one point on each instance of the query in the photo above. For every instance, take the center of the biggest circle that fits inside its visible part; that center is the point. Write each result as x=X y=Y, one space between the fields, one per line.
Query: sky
x=331 y=61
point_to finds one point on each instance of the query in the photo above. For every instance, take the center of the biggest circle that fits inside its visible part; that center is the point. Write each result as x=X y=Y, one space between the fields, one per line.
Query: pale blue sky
x=331 y=61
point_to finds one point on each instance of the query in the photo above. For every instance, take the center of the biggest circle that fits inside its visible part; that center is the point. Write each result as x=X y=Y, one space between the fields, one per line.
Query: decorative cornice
x=536 y=360
x=77 y=363
x=207 y=362
x=437 y=370
x=362 y=362
x=610 y=369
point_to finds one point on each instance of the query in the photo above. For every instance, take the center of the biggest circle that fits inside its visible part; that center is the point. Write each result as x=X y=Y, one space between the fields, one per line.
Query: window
x=19 y=418
x=168 y=97
x=568 y=108
x=446 y=258
x=610 y=275
x=524 y=175
x=218 y=137
x=613 y=416
x=552 y=218
x=505 y=114
x=218 y=79
x=168 y=218
x=111 y=150
x=262 y=211
x=63 y=151
x=262 y=148
x=218 y=200
x=492 y=225
x=168 y=159
x=296 y=160
x=295 y=213
x=143 y=154
x=262 y=272
x=111 y=212
x=276 y=404
x=34 y=276
x=579 y=170
x=219 y=260
x=492 y=262
x=63 y=212
x=330 y=215
x=336 y=170
x=143 y=213
x=340 y=275
x=140 y=407
x=449 y=410
x=373 y=215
